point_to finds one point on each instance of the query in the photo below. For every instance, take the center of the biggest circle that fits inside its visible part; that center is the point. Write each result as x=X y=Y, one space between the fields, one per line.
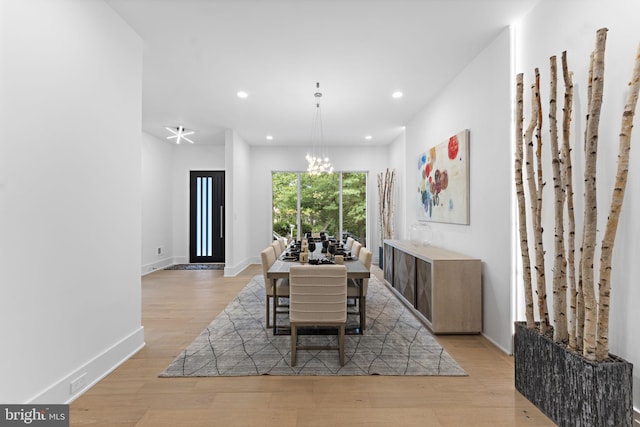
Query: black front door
x=206 y=242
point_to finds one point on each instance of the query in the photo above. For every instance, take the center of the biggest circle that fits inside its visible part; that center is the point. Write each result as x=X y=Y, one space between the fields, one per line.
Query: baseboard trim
x=158 y=265
x=237 y=269
x=93 y=371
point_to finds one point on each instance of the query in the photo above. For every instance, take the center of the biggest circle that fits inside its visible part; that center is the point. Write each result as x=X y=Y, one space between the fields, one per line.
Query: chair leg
x=294 y=343
x=341 y=343
x=268 y=312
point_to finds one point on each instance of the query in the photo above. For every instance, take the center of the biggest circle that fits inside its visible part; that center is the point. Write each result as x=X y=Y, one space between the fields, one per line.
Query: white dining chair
x=283 y=243
x=349 y=243
x=277 y=248
x=355 y=249
x=318 y=297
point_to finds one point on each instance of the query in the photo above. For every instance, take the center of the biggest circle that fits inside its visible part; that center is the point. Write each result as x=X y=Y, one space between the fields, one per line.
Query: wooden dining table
x=356 y=270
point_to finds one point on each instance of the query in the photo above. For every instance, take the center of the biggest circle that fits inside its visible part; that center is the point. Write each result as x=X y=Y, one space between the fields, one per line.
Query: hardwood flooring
x=178 y=305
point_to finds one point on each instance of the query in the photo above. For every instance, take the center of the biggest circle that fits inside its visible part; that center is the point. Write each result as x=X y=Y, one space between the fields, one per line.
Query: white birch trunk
x=522 y=206
x=580 y=299
x=386 y=204
x=559 y=265
x=568 y=185
x=541 y=277
x=543 y=311
x=591 y=206
x=602 y=350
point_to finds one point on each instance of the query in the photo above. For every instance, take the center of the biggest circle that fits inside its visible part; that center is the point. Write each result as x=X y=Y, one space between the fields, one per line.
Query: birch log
x=602 y=350
x=522 y=206
x=390 y=204
x=560 y=332
x=567 y=179
x=580 y=302
x=386 y=205
x=543 y=311
x=590 y=204
x=538 y=229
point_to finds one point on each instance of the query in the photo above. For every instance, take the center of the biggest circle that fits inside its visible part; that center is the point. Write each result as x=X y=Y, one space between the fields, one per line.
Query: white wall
x=477 y=99
x=157 y=203
x=398 y=161
x=69 y=196
x=186 y=158
x=239 y=213
x=571 y=26
x=264 y=160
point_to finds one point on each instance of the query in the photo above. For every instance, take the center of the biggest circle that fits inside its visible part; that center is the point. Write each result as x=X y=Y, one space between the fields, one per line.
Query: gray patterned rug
x=237 y=343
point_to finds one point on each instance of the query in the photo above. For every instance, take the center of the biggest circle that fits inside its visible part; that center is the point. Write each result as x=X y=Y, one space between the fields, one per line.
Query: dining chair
x=277 y=249
x=355 y=249
x=283 y=243
x=268 y=257
x=353 y=289
x=318 y=297
x=349 y=243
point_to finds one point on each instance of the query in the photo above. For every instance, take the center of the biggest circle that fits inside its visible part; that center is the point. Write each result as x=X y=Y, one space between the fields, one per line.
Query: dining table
x=356 y=270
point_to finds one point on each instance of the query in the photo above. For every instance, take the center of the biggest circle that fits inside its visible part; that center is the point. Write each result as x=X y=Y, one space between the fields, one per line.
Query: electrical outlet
x=79 y=383
x=160 y=250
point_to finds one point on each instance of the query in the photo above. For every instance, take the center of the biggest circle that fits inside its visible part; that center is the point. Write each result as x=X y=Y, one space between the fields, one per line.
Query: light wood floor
x=178 y=305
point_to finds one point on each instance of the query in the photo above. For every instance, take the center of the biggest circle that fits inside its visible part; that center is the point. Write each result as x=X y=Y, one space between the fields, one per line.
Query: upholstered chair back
x=349 y=243
x=355 y=249
x=277 y=249
x=365 y=257
x=283 y=243
x=268 y=257
x=318 y=293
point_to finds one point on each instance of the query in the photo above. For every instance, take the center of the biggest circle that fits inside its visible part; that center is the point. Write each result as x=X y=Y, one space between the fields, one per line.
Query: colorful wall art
x=443 y=181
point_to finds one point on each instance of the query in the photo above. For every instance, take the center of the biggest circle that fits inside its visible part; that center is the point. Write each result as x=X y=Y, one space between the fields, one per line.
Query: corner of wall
x=238 y=268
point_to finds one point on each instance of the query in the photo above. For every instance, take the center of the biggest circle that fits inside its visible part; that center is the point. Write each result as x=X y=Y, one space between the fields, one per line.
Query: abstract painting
x=443 y=181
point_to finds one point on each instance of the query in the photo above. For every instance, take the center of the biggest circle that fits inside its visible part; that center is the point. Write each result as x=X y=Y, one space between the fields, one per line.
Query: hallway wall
x=71 y=96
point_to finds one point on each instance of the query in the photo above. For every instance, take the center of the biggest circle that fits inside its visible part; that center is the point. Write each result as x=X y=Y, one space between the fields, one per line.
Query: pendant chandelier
x=318 y=161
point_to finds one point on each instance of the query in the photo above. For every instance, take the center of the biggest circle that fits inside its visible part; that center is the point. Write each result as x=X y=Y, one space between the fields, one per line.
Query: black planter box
x=568 y=388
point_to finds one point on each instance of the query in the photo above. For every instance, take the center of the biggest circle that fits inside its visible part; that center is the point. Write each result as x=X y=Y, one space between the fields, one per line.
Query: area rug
x=237 y=343
x=196 y=267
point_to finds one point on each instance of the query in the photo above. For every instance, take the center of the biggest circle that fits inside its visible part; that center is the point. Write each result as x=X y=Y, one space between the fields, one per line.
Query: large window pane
x=354 y=205
x=285 y=203
x=320 y=203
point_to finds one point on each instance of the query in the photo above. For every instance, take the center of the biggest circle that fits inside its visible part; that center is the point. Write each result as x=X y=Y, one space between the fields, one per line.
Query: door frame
x=217 y=213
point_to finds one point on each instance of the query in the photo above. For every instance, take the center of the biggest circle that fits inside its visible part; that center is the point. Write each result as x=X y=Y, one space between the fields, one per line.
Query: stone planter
x=568 y=388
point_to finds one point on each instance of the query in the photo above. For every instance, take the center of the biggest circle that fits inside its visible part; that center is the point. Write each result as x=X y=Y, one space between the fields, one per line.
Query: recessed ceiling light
x=269 y=137
x=242 y=94
x=368 y=137
x=397 y=94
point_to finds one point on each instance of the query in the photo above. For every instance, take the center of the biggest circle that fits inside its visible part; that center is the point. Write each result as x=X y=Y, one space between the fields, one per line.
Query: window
x=320 y=203
x=335 y=203
x=354 y=205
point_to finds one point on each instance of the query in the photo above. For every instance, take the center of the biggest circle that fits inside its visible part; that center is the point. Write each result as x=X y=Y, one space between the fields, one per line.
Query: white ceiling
x=199 y=53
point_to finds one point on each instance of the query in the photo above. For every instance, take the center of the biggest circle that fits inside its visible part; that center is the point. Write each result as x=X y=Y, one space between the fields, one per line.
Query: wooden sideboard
x=443 y=287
